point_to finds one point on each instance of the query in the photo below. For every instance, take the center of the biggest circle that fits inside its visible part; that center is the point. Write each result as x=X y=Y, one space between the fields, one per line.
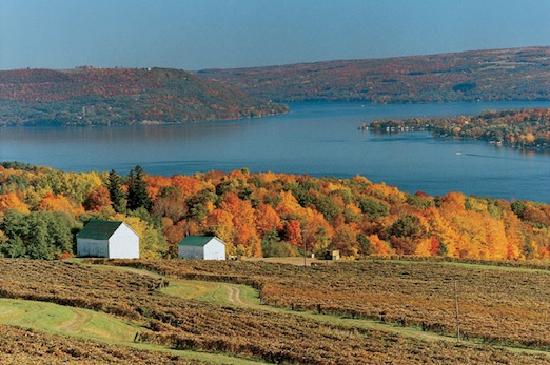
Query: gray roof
x=196 y=240
x=99 y=230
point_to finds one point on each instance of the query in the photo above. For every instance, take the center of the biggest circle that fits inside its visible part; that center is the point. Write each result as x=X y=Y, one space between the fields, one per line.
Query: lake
x=319 y=139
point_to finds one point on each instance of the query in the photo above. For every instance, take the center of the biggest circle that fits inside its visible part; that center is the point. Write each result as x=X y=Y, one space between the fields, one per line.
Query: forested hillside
x=525 y=128
x=263 y=214
x=494 y=74
x=119 y=96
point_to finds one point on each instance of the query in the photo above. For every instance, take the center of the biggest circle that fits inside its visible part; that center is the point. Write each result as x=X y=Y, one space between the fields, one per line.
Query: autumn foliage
x=108 y=96
x=527 y=129
x=489 y=74
x=258 y=214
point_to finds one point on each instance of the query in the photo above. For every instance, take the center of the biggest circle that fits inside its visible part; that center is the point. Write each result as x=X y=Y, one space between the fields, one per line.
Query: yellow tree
x=220 y=222
x=267 y=219
x=12 y=201
x=515 y=237
x=59 y=203
x=245 y=233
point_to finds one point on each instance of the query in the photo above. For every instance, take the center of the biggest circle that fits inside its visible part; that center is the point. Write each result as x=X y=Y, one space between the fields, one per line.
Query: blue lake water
x=319 y=139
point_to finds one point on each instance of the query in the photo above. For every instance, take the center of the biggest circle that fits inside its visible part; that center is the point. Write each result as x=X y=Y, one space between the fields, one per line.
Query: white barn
x=201 y=248
x=108 y=239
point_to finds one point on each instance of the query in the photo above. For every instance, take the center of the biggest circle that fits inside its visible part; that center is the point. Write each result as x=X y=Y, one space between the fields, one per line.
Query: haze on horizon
x=194 y=34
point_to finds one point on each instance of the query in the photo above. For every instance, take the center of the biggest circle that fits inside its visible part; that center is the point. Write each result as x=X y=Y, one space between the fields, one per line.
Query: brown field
x=498 y=304
x=20 y=346
x=257 y=334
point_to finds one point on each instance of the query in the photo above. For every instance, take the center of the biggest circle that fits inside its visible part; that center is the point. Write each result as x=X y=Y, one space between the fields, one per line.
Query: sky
x=194 y=34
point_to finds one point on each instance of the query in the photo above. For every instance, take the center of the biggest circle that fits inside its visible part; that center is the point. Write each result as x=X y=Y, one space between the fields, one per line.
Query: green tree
x=272 y=246
x=153 y=245
x=327 y=207
x=302 y=192
x=442 y=249
x=365 y=246
x=116 y=193
x=407 y=226
x=519 y=207
x=373 y=208
x=197 y=204
x=39 y=235
x=137 y=190
x=419 y=201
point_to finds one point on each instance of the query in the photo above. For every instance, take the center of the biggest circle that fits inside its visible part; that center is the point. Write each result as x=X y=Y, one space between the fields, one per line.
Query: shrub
x=518 y=207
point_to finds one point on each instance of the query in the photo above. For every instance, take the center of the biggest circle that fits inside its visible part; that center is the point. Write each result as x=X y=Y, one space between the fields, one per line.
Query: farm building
x=113 y=240
x=201 y=248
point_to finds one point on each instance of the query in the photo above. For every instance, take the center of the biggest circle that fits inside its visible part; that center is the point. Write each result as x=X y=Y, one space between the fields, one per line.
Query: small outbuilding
x=108 y=239
x=333 y=255
x=201 y=248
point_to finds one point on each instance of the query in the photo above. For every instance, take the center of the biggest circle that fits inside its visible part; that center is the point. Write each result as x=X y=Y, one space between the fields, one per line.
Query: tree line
x=263 y=214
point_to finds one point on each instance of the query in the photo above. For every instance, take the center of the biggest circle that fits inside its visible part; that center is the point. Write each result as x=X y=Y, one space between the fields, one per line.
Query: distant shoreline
x=524 y=128
x=290 y=107
x=56 y=124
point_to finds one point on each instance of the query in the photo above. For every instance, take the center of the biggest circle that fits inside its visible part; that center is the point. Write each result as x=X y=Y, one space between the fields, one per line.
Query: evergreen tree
x=137 y=190
x=115 y=192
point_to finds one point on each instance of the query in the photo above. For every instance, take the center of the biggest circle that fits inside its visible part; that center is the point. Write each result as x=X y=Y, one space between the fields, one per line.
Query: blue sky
x=196 y=34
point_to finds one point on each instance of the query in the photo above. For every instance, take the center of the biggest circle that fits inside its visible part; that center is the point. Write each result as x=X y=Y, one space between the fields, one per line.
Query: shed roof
x=196 y=240
x=99 y=230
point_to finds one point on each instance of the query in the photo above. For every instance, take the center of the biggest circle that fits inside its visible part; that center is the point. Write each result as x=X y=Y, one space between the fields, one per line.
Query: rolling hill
x=118 y=96
x=493 y=74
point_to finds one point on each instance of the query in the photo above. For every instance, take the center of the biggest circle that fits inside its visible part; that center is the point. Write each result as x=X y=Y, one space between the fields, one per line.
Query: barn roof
x=99 y=230
x=196 y=240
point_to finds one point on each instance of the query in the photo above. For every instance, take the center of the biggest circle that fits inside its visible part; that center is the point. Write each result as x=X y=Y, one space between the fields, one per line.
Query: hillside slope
x=494 y=74
x=87 y=95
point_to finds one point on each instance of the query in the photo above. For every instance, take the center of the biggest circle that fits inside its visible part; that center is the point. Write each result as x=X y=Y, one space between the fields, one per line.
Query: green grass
x=208 y=357
x=91 y=325
x=77 y=322
x=214 y=292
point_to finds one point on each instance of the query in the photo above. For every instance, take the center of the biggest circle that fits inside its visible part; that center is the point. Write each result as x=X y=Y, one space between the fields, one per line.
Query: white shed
x=201 y=248
x=109 y=239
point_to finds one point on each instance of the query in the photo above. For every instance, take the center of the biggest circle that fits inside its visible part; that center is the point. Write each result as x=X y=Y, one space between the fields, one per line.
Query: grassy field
x=64 y=320
x=92 y=325
x=180 y=316
x=218 y=293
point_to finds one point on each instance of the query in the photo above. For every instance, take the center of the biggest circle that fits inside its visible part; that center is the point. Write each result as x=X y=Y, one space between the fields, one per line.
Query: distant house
x=201 y=248
x=109 y=239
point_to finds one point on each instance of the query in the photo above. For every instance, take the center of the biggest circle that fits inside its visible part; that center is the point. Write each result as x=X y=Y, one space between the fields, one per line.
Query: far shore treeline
x=89 y=95
x=527 y=129
x=263 y=214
